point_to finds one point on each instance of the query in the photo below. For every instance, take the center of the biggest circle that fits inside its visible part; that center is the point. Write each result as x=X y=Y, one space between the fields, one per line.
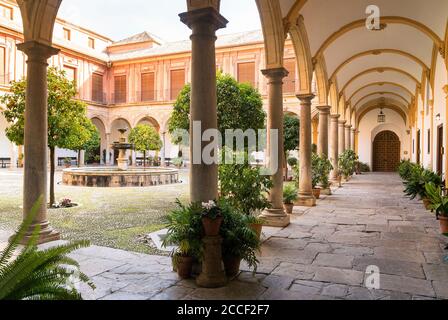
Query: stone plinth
x=213 y=274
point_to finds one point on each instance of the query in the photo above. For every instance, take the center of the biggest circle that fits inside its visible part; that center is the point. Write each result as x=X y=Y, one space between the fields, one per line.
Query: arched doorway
x=386 y=152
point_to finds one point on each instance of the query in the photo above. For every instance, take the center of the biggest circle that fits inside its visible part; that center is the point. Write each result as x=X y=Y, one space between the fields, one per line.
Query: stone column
x=36 y=146
x=342 y=136
x=82 y=158
x=322 y=145
x=352 y=139
x=306 y=197
x=163 y=151
x=334 y=145
x=204 y=23
x=276 y=216
x=348 y=134
x=109 y=161
x=13 y=156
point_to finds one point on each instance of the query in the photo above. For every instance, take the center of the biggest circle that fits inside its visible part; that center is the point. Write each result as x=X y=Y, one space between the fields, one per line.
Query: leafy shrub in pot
x=438 y=204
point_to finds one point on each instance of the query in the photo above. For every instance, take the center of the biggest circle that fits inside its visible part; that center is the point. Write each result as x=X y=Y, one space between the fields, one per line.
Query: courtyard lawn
x=112 y=217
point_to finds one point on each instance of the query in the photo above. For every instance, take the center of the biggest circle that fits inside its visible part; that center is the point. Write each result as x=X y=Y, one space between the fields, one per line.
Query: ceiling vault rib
x=389 y=19
x=379 y=70
x=378 y=52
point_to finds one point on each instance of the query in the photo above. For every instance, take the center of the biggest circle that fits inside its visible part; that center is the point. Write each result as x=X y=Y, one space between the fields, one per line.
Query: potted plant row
x=427 y=185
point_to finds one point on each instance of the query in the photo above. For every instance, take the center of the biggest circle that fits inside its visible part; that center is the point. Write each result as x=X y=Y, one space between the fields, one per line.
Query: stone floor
x=323 y=254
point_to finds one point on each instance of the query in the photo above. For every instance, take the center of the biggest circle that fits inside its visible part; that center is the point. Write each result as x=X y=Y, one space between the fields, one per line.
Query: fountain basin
x=112 y=177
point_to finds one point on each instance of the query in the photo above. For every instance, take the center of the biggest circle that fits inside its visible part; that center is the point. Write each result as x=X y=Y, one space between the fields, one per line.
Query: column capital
x=354 y=130
x=324 y=109
x=37 y=51
x=275 y=74
x=208 y=15
x=342 y=122
x=348 y=126
x=305 y=98
x=335 y=117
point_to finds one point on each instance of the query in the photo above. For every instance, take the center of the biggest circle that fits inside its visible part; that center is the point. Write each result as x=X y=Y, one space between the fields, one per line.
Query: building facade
x=135 y=80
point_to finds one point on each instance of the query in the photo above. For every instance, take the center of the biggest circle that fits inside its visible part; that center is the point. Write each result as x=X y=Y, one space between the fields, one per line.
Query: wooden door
x=419 y=150
x=386 y=152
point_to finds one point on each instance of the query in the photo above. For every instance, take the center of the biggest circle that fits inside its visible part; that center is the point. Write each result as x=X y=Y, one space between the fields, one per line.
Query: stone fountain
x=123 y=146
x=121 y=176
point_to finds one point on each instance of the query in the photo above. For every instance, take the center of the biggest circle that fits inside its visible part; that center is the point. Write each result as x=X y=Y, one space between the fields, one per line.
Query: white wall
x=441 y=79
x=369 y=128
x=5 y=144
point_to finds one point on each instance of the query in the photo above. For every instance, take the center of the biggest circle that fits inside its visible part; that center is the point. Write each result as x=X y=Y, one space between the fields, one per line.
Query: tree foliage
x=68 y=125
x=239 y=107
x=291 y=133
x=145 y=138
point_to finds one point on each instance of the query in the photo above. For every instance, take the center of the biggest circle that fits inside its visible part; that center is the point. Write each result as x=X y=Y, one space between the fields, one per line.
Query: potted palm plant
x=439 y=205
x=289 y=197
x=185 y=232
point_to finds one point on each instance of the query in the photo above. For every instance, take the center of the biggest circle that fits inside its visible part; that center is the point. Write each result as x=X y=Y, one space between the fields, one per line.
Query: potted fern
x=439 y=205
x=185 y=232
x=240 y=242
x=289 y=197
x=39 y=274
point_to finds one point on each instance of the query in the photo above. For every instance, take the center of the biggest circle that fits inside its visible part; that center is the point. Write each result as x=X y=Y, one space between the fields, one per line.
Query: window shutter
x=148 y=85
x=97 y=87
x=3 y=78
x=246 y=73
x=177 y=83
x=120 y=89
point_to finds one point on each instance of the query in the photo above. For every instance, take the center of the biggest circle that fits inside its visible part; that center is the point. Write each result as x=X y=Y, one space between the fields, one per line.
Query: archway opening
x=386 y=152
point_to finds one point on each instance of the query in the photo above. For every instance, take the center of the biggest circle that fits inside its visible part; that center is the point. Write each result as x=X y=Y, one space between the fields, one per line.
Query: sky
x=119 y=19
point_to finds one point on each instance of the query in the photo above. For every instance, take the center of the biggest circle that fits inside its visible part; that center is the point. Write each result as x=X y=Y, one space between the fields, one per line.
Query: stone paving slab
x=323 y=254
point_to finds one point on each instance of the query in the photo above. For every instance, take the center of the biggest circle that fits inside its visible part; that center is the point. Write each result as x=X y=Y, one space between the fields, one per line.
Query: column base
x=275 y=218
x=46 y=235
x=306 y=201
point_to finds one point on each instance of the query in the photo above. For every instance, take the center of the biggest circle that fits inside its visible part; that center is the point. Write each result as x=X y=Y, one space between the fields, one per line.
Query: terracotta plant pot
x=232 y=265
x=211 y=226
x=183 y=266
x=257 y=228
x=443 y=224
x=288 y=207
x=316 y=193
x=427 y=203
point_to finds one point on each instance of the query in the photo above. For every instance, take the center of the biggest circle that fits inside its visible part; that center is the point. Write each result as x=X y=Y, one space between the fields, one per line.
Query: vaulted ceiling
x=386 y=65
